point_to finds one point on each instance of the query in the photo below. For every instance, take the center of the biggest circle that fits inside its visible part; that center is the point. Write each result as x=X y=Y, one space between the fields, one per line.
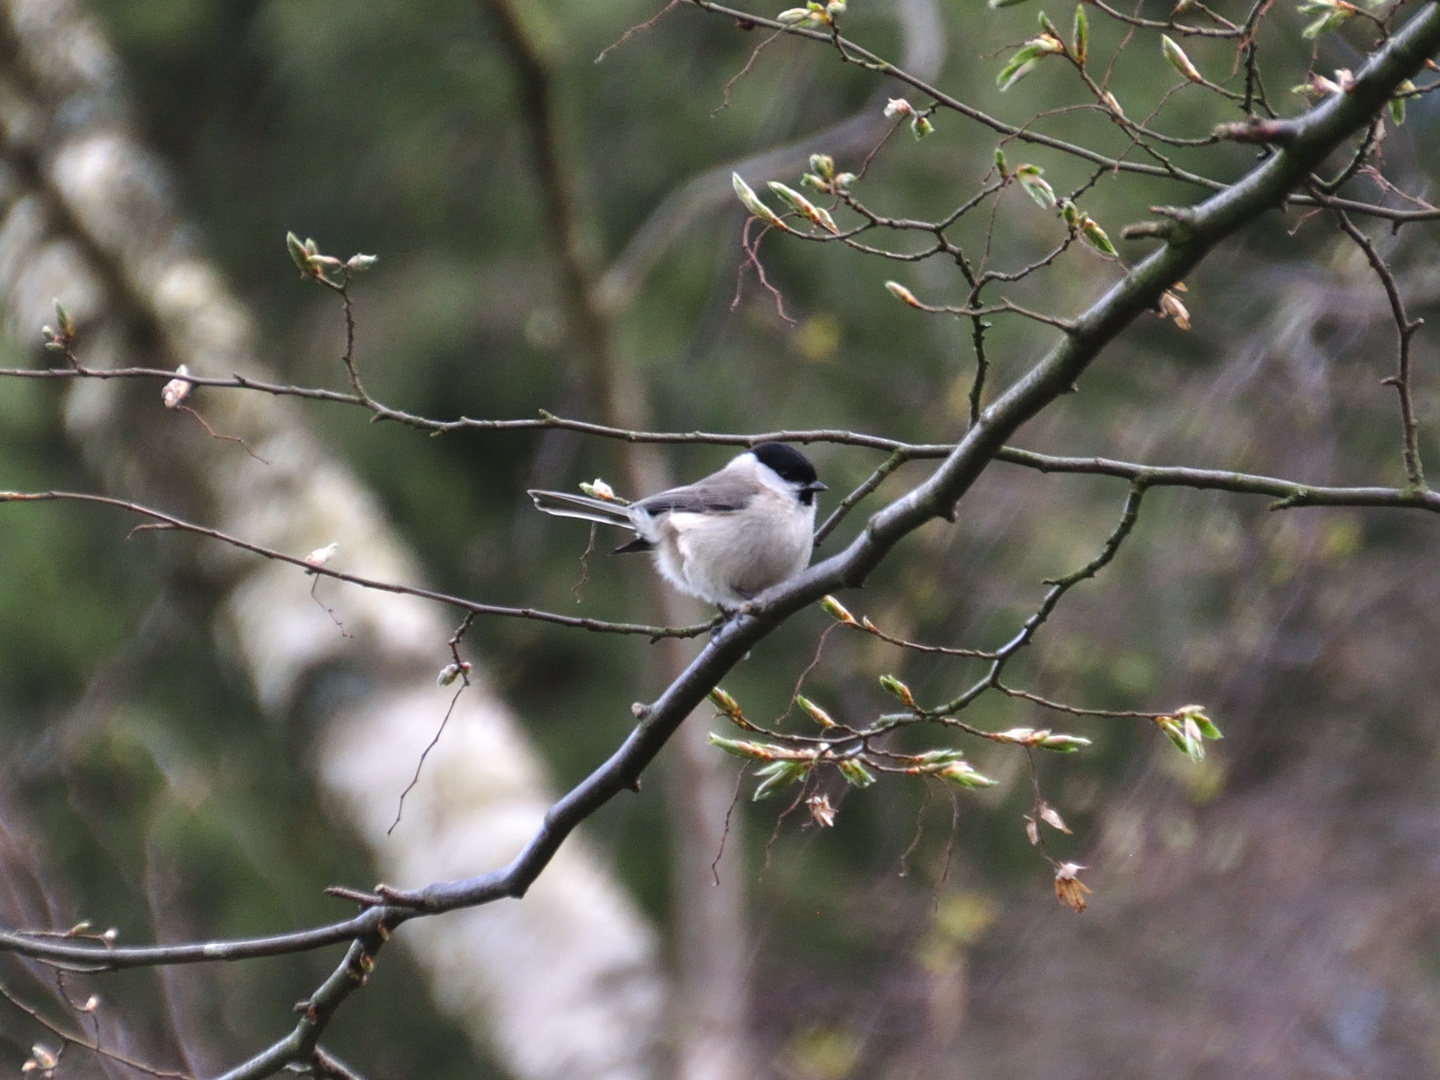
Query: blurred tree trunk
x=565 y=984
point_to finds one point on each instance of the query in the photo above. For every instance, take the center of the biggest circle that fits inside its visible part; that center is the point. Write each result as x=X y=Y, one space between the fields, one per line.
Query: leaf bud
x=1080 y=35
x=727 y=705
x=599 y=489
x=177 y=389
x=1063 y=744
x=1095 y=236
x=804 y=207
x=1178 y=60
x=752 y=203
x=746 y=749
x=900 y=292
x=298 y=253
x=964 y=774
x=67 y=326
x=815 y=712
x=322 y=555
x=856 y=773
x=893 y=686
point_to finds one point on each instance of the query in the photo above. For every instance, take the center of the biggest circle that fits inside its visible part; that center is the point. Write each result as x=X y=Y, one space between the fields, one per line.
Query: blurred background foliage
x=892 y=944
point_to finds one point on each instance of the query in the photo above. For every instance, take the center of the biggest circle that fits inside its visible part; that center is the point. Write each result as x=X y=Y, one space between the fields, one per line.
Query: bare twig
x=169 y=521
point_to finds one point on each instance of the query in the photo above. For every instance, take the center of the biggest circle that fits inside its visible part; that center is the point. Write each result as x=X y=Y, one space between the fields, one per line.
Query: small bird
x=723 y=539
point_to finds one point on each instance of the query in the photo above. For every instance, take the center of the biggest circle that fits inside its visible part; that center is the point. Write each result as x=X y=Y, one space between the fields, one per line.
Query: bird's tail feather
x=562 y=504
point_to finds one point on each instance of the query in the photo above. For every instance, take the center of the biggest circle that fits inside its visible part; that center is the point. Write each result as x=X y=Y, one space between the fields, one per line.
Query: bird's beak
x=816 y=485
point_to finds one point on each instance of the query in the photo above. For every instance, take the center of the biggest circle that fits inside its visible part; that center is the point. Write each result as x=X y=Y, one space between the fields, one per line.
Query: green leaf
x=297 y=251
x=1063 y=744
x=1031 y=178
x=1185 y=737
x=961 y=772
x=1095 y=236
x=1020 y=65
x=1029 y=54
x=855 y=771
x=1196 y=713
x=779 y=774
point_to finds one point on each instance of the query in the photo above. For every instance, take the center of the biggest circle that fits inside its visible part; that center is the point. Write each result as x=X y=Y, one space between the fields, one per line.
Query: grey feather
x=721 y=493
x=583 y=507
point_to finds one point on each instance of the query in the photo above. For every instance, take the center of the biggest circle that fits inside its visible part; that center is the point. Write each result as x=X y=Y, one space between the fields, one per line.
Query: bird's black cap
x=790 y=465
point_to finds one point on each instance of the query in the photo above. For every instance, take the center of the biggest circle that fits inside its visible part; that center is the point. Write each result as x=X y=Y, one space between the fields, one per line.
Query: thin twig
x=169 y=521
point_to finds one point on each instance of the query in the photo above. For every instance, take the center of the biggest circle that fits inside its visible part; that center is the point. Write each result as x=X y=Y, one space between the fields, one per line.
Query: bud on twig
x=964 y=774
x=752 y=203
x=1178 y=60
x=177 y=389
x=901 y=293
x=810 y=709
x=856 y=773
x=816 y=215
x=322 y=555
x=599 y=489
x=1031 y=178
x=727 y=705
x=891 y=685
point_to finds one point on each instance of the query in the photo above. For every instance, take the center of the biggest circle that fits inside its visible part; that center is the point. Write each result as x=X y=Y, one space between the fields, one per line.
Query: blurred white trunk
x=562 y=984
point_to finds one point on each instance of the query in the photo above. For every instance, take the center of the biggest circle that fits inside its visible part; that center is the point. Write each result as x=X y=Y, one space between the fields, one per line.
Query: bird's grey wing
x=562 y=504
x=718 y=494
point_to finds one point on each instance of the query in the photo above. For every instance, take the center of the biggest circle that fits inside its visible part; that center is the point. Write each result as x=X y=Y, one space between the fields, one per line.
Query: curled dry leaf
x=821 y=812
x=1172 y=308
x=1069 y=889
x=1051 y=817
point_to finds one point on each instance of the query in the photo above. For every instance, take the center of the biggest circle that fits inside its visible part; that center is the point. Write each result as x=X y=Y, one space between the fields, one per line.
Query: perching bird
x=725 y=538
